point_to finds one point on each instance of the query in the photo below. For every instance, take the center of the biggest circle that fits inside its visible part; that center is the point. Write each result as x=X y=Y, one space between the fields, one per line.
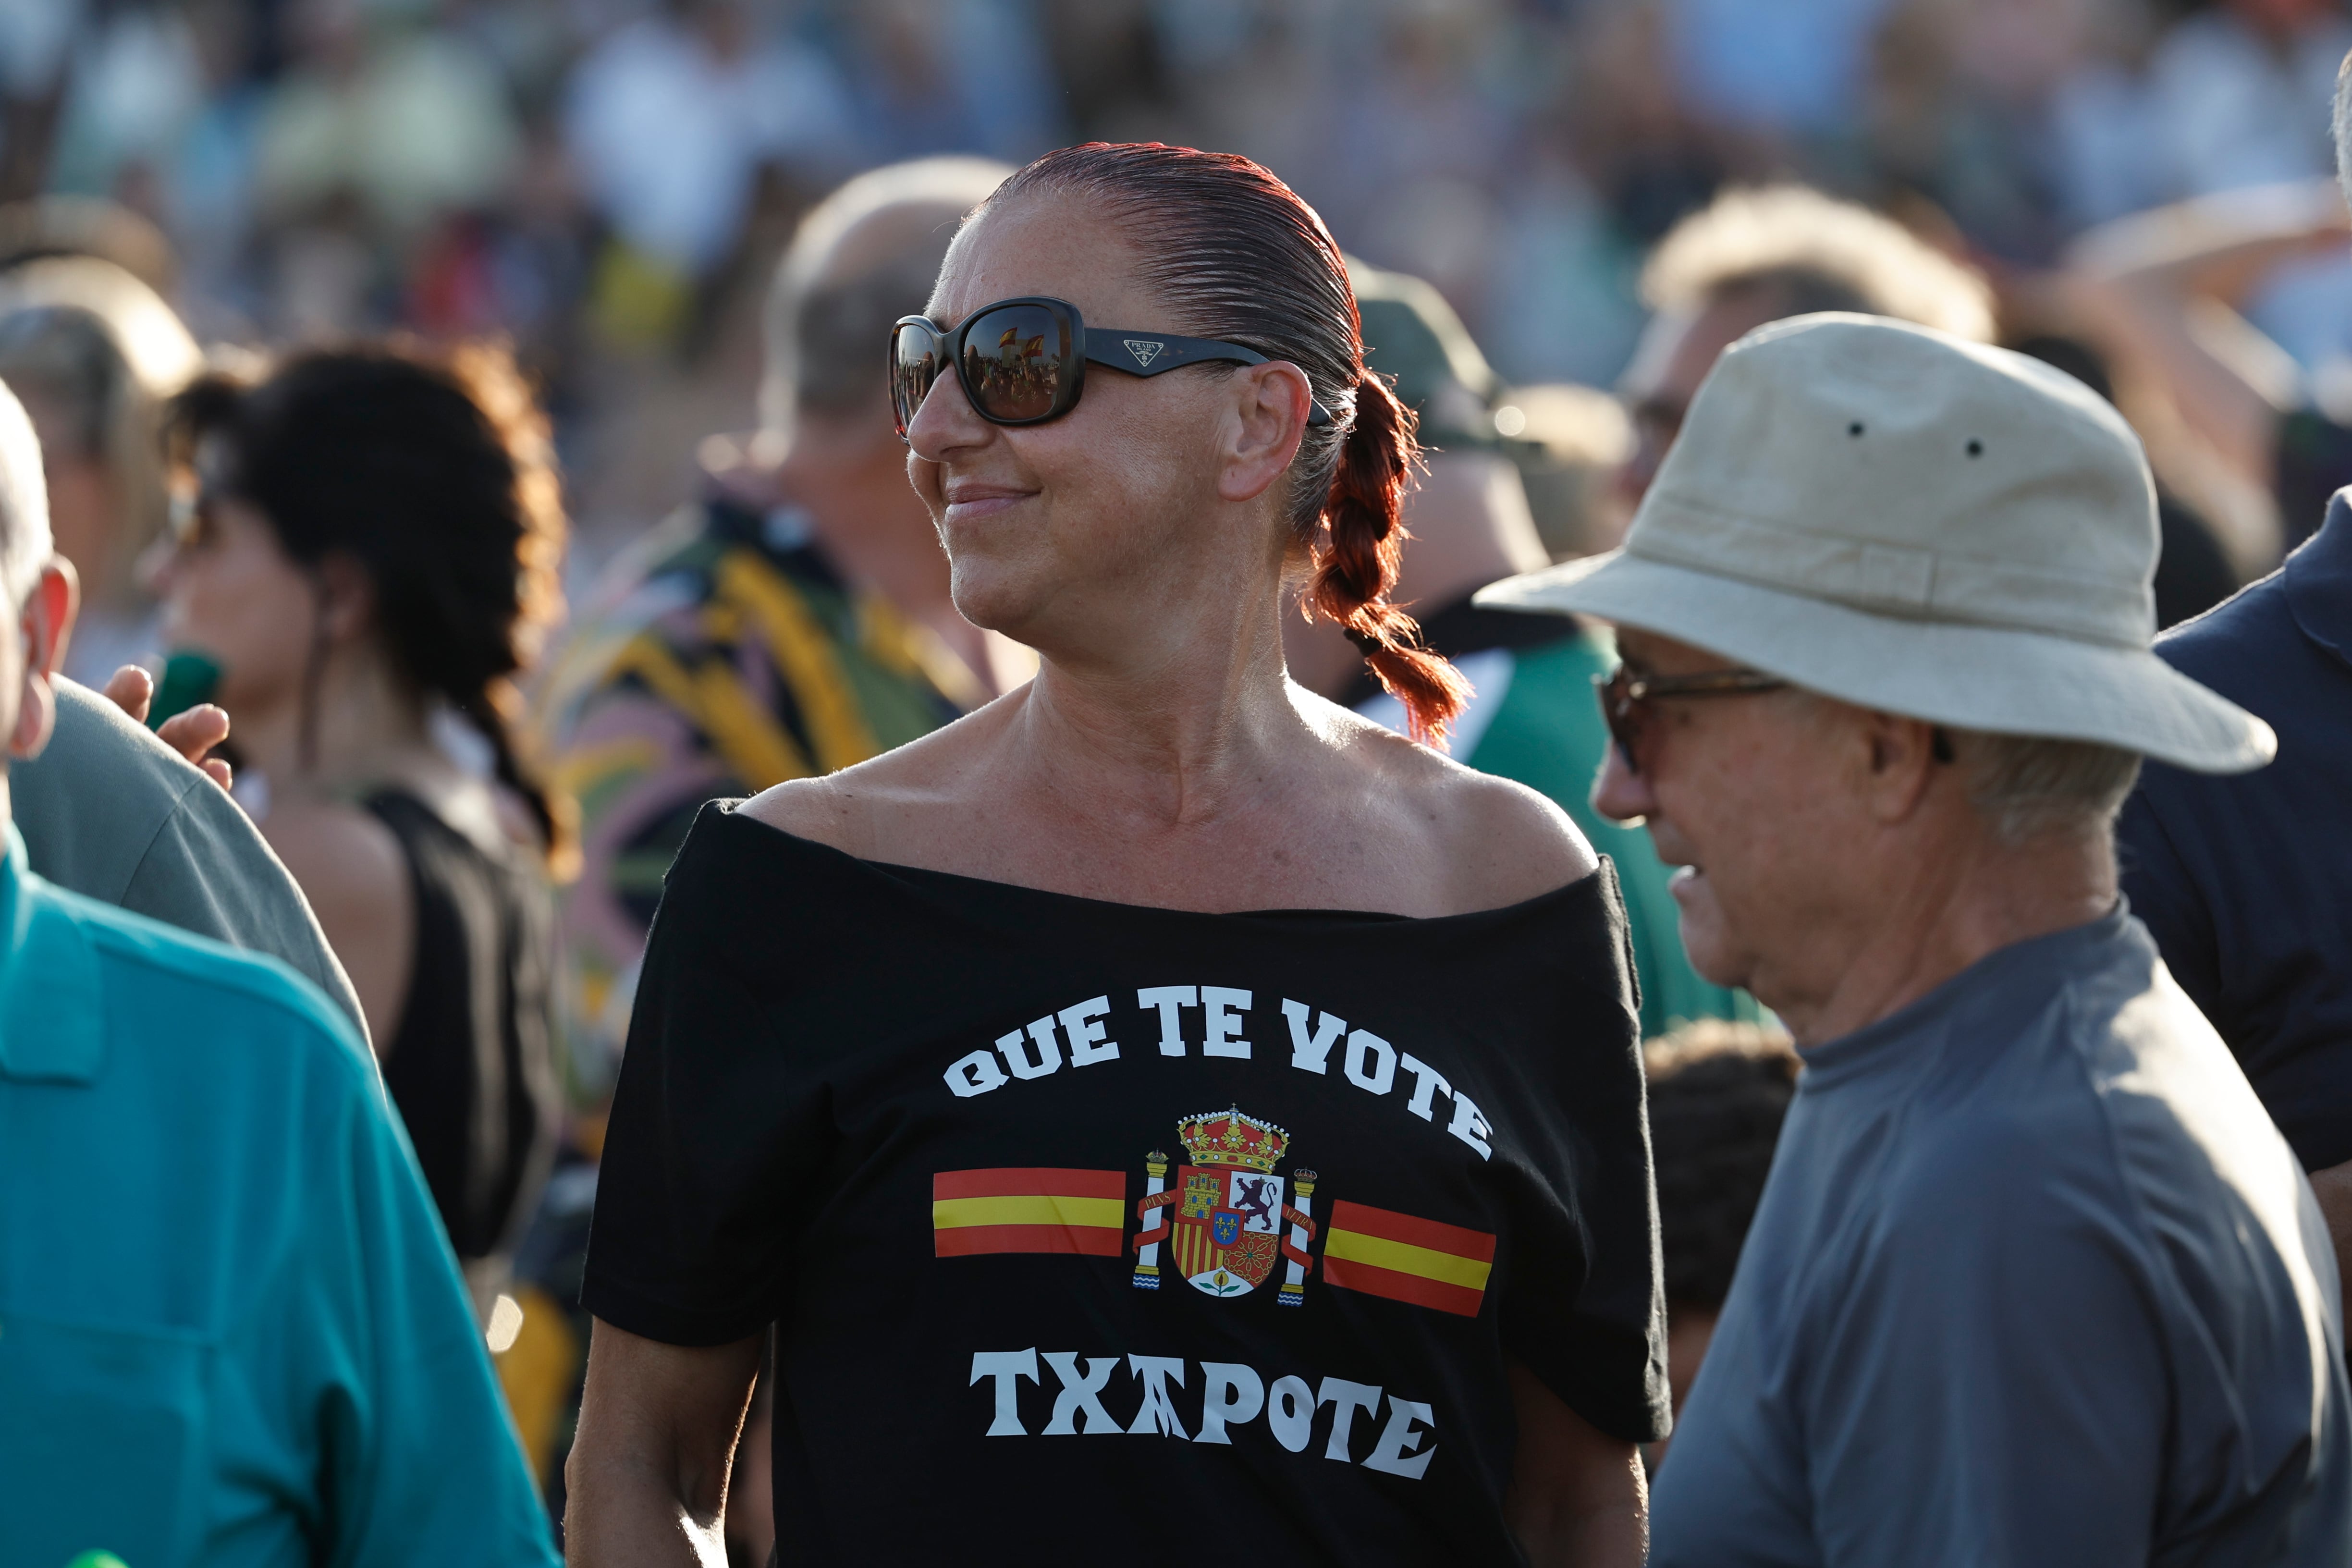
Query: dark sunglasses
x=1024 y=361
x=1627 y=701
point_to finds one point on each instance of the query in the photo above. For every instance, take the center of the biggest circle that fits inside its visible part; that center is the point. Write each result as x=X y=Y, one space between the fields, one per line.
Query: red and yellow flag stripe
x=1028 y=1209
x=1383 y=1253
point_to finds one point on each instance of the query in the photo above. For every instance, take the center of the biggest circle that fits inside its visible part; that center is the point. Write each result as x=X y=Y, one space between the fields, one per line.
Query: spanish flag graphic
x=1383 y=1253
x=1024 y=1209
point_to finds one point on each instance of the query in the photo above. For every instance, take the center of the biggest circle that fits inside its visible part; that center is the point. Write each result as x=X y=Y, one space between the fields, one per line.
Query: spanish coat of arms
x=1222 y=1221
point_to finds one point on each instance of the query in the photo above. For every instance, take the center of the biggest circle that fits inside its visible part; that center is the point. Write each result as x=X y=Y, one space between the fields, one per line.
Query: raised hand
x=192 y=734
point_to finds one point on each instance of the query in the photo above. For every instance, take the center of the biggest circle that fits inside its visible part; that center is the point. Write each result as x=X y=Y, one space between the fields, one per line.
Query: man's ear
x=46 y=626
x=1902 y=763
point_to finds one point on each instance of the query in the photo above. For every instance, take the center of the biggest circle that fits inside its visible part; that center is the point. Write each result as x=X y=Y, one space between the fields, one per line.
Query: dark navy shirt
x=2245 y=880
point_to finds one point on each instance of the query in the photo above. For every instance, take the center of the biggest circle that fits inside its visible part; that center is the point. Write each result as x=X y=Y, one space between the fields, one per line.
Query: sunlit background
x=608 y=181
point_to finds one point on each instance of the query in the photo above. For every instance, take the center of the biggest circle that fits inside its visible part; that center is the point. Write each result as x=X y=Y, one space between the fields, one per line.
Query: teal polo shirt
x=231 y=1329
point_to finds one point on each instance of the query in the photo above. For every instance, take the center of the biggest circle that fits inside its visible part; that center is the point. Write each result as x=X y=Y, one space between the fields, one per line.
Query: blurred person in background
x=1568 y=443
x=93 y=354
x=368 y=555
x=2243 y=881
x=108 y=809
x=2167 y=287
x=1530 y=716
x=1717 y=1094
x=1756 y=255
x=382 y=123
x=668 y=121
x=2034 y=1278
x=234 y=1331
x=795 y=619
x=2237 y=92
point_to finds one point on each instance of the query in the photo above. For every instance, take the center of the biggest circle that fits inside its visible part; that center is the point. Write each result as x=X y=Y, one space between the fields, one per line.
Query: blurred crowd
x=605 y=181
x=611 y=240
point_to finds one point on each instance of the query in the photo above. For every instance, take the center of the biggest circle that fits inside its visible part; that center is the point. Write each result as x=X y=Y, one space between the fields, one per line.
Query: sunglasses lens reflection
x=915 y=355
x=1013 y=360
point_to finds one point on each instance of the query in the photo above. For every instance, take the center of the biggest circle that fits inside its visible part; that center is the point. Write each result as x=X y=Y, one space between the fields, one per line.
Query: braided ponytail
x=1238 y=256
x=493 y=711
x=1355 y=559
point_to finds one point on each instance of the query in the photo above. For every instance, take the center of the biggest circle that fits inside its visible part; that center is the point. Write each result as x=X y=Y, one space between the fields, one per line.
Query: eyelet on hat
x=1976 y=449
x=1854 y=429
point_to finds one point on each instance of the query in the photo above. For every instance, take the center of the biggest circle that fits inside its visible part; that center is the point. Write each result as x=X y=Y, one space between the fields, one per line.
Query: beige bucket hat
x=1901 y=519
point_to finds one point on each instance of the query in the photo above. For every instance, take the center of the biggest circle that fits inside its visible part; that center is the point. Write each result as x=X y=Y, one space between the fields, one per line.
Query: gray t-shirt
x=2034 y=1280
x=110 y=812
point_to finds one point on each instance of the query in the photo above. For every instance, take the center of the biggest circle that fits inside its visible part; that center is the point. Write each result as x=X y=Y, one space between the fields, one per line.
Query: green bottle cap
x=97 y=1559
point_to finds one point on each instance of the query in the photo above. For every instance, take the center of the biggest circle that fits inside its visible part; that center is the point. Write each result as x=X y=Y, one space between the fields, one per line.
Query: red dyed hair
x=1239 y=257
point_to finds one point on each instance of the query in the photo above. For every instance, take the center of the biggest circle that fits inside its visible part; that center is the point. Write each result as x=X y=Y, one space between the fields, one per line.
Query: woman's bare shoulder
x=355 y=876
x=1496 y=842
x=848 y=810
x=813 y=809
x=347 y=861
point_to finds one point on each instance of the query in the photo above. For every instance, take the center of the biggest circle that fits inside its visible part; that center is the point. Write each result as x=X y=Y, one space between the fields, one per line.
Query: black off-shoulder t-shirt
x=1096 y=1230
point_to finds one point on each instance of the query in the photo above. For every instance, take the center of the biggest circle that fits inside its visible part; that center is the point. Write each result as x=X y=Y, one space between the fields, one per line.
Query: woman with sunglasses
x=1161 y=1103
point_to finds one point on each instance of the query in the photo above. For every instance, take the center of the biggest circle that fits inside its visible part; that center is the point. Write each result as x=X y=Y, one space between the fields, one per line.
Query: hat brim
x=1971 y=677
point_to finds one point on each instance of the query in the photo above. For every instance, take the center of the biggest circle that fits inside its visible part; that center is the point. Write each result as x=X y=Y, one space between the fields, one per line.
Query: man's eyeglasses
x=1627 y=700
x=1024 y=361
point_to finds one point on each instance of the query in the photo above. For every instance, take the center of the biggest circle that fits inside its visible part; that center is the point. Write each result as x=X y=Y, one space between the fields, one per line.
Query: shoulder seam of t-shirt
x=179 y=804
x=2118 y=1174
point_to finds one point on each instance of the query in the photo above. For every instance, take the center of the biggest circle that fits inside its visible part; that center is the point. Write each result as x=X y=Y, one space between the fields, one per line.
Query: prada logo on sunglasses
x=1144 y=349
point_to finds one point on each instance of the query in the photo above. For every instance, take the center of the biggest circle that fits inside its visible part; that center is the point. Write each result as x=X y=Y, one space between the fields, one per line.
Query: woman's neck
x=365 y=725
x=1165 y=737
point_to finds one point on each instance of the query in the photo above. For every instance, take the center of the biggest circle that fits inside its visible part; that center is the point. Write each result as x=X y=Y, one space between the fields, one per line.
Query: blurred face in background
x=233 y=594
x=84 y=500
x=1676 y=351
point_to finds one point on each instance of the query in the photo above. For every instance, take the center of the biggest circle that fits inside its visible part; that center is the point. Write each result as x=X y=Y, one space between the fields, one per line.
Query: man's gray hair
x=828 y=315
x=2029 y=786
x=2344 y=126
x=1814 y=253
x=24 y=504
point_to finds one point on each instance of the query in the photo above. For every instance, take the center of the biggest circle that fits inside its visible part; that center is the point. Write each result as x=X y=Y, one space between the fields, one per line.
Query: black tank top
x=472 y=1067
x=1099 y=1232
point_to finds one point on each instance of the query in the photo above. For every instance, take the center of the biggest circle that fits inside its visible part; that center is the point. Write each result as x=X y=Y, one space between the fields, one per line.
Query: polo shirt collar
x=2319 y=580
x=52 y=1012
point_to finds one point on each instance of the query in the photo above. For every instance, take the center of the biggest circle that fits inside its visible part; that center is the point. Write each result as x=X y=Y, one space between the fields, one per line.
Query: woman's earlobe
x=346 y=597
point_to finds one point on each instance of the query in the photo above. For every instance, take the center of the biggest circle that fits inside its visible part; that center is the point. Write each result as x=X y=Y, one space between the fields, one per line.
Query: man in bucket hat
x=2034 y=1280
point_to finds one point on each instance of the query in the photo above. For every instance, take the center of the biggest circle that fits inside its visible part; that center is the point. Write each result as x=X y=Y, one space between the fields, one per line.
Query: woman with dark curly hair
x=367 y=547
x=1161 y=1113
